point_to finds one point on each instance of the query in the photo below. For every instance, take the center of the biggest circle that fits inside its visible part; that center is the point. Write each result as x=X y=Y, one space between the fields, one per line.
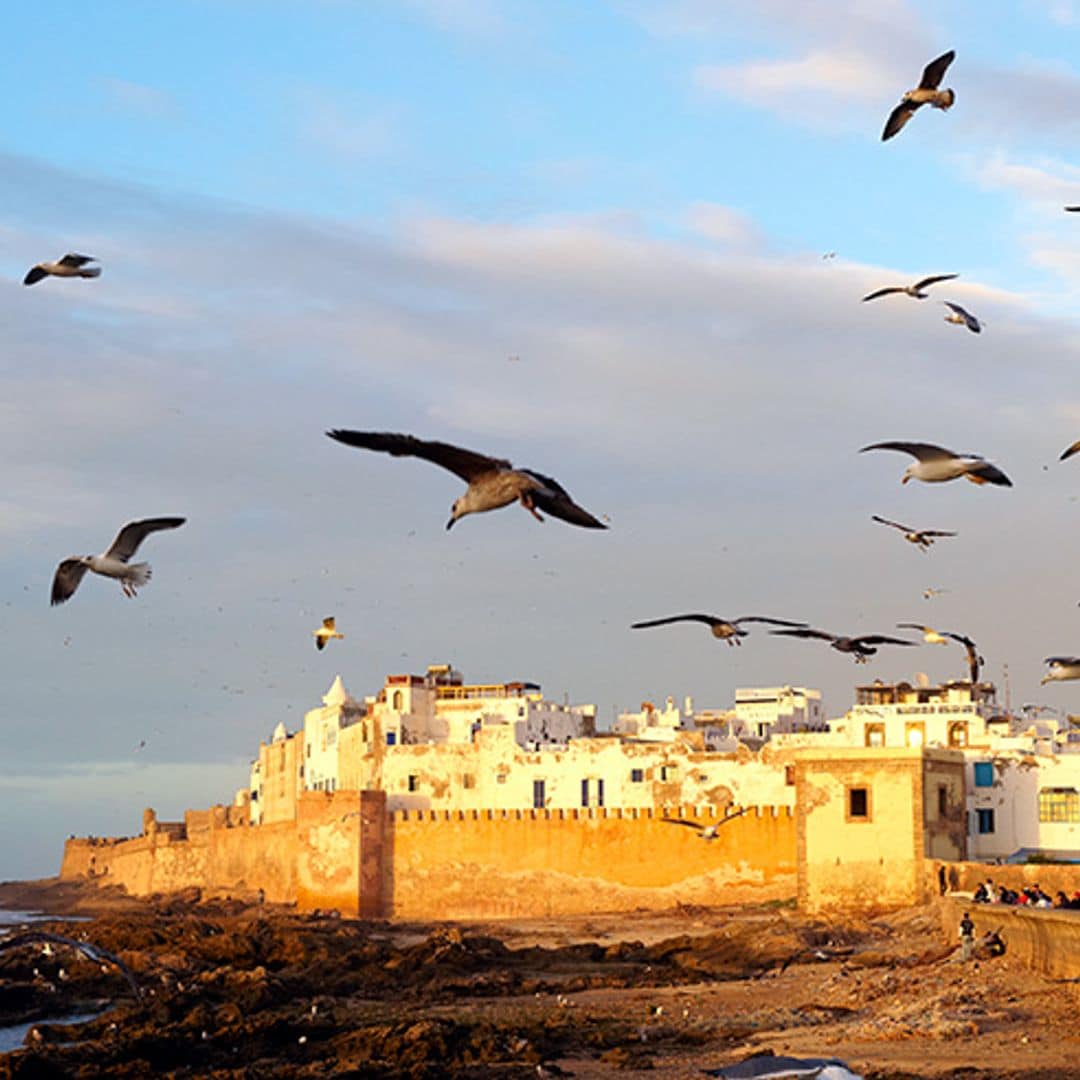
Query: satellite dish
x=922 y=680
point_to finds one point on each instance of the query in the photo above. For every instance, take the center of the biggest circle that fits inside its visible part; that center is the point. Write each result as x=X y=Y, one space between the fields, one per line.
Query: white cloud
x=725 y=226
x=139 y=99
x=348 y=129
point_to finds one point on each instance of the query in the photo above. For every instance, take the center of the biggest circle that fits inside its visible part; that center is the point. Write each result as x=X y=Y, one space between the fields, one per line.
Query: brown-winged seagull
x=962 y=317
x=1062 y=668
x=493 y=482
x=728 y=630
x=705 y=832
x=935 y=464
x=71 y=265
x=922 y=538
x=861 y=648
x=917 y=290
x=325 y=632
x=926 y=93
x=113 y=562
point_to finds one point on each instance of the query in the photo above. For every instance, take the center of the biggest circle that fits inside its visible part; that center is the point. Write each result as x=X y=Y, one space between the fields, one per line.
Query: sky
x=355 y=214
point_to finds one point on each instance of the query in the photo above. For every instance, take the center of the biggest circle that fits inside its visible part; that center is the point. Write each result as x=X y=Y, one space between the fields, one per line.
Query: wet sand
x=239 y=991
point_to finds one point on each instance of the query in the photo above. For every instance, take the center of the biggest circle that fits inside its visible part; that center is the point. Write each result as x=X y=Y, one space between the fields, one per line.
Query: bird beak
x=905 y=479
x=450 y=524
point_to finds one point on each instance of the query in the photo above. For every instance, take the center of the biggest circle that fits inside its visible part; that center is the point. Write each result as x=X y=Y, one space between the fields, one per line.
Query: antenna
x=1008 y=688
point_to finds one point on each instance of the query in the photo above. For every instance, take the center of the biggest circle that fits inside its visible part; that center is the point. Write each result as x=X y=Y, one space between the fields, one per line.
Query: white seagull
x=922 y=538
x=926 y=93
x=917 y=290
x=1062 y=668
x=325 y=632
x=935 y=464
x=962 y=317
x=113 y=562
x=493 y=482
x=724 y=629
x=706 y=832
x=71 y=265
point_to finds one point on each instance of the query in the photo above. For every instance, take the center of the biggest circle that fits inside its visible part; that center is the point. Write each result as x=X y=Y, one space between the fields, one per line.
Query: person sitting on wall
x=1061 y=900
x=1074 y=901
x=981 y=896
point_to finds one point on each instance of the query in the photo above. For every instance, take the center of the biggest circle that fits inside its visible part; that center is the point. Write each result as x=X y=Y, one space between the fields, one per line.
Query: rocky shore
x=234 y=990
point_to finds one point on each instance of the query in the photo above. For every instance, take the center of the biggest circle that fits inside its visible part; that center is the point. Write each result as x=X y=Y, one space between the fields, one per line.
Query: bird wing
x=679 y=821
x=934 y=72
x=893 y=524
x=1068 y=453
x=964 y=640
x=464 y=463
x=66 y=580
x=708 y=620
x=990 y=474
x=1063 y=660
x=922 y=451
x=134 y=533
x=34 y=275
x=957 y=308
x=880 y=639
x=806 y=632
x=557 y=502
x=763 y=619
x=320 y=642
x=898 y=118
x=916 y=626
x=928 y=281
x=935 y=532
x=73 y=260
x=882 y=292
x=1073 y=209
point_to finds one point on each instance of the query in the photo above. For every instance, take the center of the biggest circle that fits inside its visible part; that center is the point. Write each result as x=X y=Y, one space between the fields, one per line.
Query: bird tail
x=90 y=271
x=138 y=574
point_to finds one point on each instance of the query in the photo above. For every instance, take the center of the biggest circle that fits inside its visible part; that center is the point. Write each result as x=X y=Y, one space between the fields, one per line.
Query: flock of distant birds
x=494 y=482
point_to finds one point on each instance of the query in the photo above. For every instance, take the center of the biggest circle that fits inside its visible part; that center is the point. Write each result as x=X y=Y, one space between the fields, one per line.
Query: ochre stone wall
x=484 y=864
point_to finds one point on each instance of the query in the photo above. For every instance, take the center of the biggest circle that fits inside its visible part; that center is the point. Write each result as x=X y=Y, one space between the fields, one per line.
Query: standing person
x=967 y=937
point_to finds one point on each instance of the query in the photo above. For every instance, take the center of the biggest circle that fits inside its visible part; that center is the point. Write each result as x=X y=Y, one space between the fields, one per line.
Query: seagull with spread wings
x=729 y=630
x=113 y=562
x=861 y=648
x=1062 y=668
x=962 y=317
x=926 y=93
x=71 y=265
x=493 y=482
x=916 y=291
x=922 y=538
x=935 y=464
x=706 y=832
x=326 y=632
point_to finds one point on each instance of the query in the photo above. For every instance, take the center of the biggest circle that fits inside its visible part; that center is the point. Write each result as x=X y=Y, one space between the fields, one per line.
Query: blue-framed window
x=985 y=823
x=984 y=774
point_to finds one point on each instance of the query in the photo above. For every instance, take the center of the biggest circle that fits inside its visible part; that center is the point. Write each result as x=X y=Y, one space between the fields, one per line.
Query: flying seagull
x=935 y=464
x=929 y=594
x=962 y=317
x=975 y=661
x=113 y=562
x=493 y=482
x=861 y=648
x=706 y=832
x=92 y=952
x=926 y=93
x=325 y=633
x=1062 y=668
x=724 y=629
x=70 y=265
x=930 y=635
x=916 y=290
x=923 y=538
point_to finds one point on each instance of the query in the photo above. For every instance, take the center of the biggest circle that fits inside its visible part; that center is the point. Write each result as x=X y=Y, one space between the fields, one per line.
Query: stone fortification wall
x=485 y=864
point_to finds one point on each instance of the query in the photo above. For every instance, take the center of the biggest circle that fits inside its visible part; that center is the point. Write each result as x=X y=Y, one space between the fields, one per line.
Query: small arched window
x=397 y=700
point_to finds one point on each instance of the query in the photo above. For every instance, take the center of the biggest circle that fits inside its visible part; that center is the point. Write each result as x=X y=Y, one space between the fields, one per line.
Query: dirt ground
x=238 y=991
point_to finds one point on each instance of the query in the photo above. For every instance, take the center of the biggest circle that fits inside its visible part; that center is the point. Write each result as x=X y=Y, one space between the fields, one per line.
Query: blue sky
x=350 y=214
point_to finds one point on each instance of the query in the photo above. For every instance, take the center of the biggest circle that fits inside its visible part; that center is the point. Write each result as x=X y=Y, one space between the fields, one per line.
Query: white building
x=653 y=724
x=775 y=710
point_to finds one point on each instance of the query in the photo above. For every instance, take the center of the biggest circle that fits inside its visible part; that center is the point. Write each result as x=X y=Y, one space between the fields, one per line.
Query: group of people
x=1030 y=896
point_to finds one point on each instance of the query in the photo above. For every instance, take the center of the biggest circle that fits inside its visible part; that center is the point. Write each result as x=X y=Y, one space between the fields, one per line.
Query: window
x=539 y=795
x=600 y=792
x=942 y=800
x=789 y=775
x=414 y=782
x=958 y=733
x=1059 y=804
x=396 y=701
x=875 y=734
x=468 y=780
x=668 y=772
x=984 y=774
x=858 y=804
x=914 y=733
x=584 y=792
x=637 y=776
x=391 y=738
x=986 y=821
